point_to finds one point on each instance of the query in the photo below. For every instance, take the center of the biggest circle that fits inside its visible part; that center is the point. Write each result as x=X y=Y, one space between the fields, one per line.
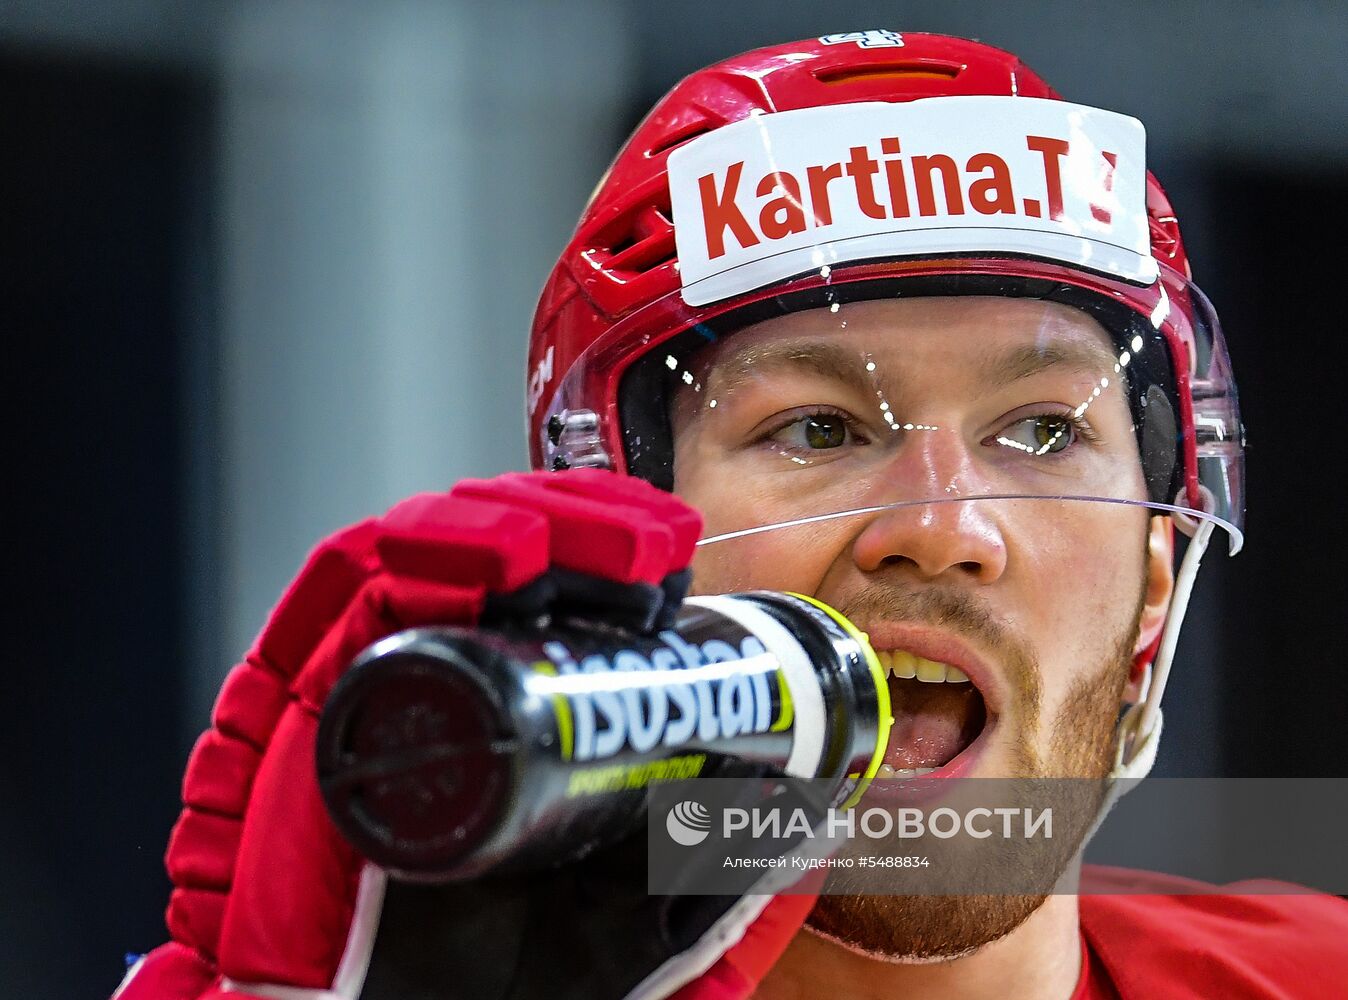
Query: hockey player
x=910 y=334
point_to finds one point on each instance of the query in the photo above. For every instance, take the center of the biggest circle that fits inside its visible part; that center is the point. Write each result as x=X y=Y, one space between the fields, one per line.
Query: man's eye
x=1044 y=434
x=815 y=432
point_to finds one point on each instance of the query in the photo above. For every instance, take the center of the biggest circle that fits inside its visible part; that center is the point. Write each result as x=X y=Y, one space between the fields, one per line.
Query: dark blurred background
x=269 y=266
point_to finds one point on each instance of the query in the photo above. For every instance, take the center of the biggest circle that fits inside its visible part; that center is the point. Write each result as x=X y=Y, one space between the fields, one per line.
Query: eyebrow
x=810 y=356
x=1031 y=359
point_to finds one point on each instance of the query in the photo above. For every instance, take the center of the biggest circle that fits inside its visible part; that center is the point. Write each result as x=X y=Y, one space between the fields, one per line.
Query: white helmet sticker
x=777 y=195
x=866 y=39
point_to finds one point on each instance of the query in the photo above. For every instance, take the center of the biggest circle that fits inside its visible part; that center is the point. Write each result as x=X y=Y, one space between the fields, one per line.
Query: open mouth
x=938 y=714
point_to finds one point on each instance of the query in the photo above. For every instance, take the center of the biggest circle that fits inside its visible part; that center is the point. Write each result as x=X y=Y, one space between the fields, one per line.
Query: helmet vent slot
x=929 y=70
x=678 y=137
x=646 y=242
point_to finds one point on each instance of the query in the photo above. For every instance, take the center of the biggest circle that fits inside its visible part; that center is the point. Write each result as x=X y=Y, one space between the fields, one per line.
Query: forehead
x=942 y=335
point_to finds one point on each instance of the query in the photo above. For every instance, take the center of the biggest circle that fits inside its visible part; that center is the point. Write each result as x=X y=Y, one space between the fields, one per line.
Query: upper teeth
x=902 y=663
x=886 y=771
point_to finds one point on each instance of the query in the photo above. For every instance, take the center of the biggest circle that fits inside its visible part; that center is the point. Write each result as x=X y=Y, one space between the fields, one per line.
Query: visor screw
x=555 y=427
x=559 y=463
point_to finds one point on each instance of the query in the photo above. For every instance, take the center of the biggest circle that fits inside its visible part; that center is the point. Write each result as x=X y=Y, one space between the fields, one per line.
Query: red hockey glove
x=270 y=901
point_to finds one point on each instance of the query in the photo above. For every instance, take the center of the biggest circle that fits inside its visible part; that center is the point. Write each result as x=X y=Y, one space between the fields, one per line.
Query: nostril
x=971 y=566
x=898 y=561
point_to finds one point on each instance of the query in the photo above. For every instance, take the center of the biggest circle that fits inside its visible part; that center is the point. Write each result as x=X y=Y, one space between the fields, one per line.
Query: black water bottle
x=447 y=753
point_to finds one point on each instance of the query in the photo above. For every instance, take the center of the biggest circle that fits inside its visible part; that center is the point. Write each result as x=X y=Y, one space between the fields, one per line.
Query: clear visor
x=798 y=414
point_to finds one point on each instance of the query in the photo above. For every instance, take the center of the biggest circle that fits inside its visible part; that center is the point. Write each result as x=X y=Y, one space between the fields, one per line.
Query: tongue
x=932 y=722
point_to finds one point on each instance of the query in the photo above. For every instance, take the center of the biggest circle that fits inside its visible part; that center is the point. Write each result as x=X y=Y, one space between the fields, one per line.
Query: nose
x=948 y=533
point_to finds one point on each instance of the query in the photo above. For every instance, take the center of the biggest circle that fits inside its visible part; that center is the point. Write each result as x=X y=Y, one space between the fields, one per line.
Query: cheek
x=775 y=560
x=1080 y=574
x=791 y=558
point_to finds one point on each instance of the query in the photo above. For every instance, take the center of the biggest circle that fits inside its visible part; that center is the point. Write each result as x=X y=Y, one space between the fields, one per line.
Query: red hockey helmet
x=620 y=292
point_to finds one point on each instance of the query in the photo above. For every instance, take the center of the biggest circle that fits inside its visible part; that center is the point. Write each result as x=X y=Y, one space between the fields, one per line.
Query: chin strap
x=1139 y=731
x=1136 y=727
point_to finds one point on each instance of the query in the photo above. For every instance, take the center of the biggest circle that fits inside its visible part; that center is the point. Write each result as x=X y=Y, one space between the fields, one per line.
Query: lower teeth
x=903 y=772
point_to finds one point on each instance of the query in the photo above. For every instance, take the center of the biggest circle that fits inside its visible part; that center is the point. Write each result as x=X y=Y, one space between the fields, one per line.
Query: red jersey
x=1177 y=939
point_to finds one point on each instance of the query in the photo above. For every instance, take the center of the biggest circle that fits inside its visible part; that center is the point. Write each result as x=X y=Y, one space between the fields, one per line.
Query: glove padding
x=269 y=900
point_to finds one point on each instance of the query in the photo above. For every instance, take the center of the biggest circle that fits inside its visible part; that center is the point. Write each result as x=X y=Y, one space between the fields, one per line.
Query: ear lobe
x=1156 y=603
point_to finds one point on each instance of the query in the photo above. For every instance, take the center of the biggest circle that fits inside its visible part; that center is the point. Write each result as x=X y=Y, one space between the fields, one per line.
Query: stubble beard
x=931 y=928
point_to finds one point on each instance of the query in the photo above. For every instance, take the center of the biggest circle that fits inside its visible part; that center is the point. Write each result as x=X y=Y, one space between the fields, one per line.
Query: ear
x=1160 y=574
